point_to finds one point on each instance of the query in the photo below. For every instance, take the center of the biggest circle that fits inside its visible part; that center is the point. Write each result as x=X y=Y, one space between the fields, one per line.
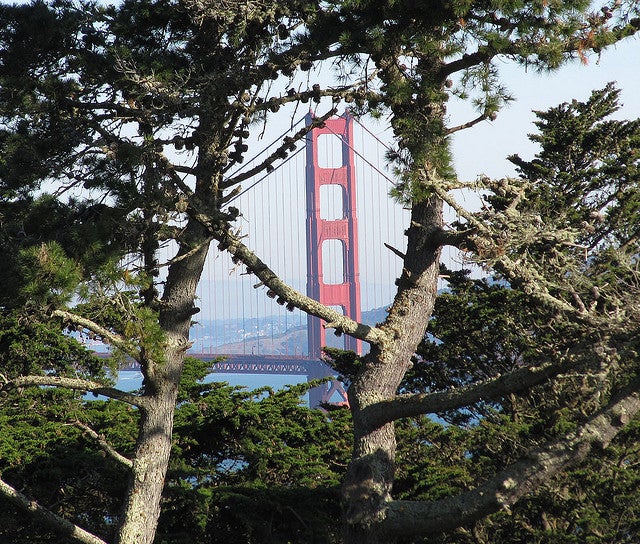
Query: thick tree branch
x=110 y=337
x=108 y=448
x=56 y=522
x=287 y=295
x=523 y=477
x=428 y=403
x=453 y=238
x=126 y=112
x=468 y=60
x=394 y=250
x=315 y=93
x=585 y=39
x=73 y=383
x=172 y=171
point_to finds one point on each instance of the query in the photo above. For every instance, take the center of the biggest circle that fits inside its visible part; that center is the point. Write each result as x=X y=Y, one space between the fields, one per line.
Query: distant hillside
x=291 y=342
x=375 y=316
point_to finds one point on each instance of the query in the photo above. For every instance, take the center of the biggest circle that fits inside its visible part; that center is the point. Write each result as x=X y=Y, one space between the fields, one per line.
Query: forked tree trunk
x=161 y=379
x=367 y=488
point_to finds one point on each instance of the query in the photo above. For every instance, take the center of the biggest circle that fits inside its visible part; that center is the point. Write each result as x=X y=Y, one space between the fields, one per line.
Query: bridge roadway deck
x=258 y=364
x=276 y=364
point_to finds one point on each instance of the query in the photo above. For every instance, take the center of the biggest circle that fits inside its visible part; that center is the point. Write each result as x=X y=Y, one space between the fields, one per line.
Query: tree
x=252 y=466
x=94 y=97
x=499 y=332
x=416 y=51
x=581 y=177
x=585 y=177
x=91 y=98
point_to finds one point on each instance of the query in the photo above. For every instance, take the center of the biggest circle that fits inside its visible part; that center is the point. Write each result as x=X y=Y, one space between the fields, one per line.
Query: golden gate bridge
x=323 y=220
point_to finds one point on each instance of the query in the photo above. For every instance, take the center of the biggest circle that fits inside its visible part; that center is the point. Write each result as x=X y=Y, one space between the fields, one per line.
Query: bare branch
x=172 y=170
x=188 y=254
x=521 y=478
x=412 y=405
x=395 y=251
x=77 y=384
x=56 y=522
x=468 y=124
x=110 y=337
x=467 y=61
x=453 y=238
x=279 y=152
x=241 y=253
x=532 y=282
x=118 y=107
x=108 y=448
x=315 y=93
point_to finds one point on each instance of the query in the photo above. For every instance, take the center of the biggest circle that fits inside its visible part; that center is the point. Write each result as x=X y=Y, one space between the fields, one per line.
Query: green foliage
x=417 y=46
x=91 y=98
x=483 y=309
x=595 y=502
x=592 y=503
x=254 y=466
x=267 y=438
x=345 y=363
x=97 y=100
x=275 y=516
x=50 y=277
x=142 y=327
x=588 y=163
x=43 y=453
x=433 y=460
x=583 y=181
x=89 y=233
x=29 y=345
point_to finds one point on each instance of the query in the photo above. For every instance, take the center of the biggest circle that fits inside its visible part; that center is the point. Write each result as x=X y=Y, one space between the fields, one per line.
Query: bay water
x=130 y=380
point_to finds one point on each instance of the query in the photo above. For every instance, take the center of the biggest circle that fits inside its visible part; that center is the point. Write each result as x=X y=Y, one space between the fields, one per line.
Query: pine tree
x=582 y=183
x=94 y=100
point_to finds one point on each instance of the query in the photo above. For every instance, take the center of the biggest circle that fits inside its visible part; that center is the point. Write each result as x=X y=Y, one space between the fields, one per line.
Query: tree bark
x=412 y=405
x=61 y=525
x=151 y=459
x=415 y=518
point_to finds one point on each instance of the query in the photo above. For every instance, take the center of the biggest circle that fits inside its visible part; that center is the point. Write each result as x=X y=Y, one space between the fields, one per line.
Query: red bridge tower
x=333 y=183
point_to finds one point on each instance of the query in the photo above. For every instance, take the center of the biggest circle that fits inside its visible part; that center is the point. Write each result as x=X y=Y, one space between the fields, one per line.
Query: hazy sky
x=479 y=150
x=483 y=148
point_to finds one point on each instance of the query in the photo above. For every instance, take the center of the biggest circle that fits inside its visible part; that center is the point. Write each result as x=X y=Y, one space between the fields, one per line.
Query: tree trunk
x=369 y=480
x=161 y=379
x=151 y=459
